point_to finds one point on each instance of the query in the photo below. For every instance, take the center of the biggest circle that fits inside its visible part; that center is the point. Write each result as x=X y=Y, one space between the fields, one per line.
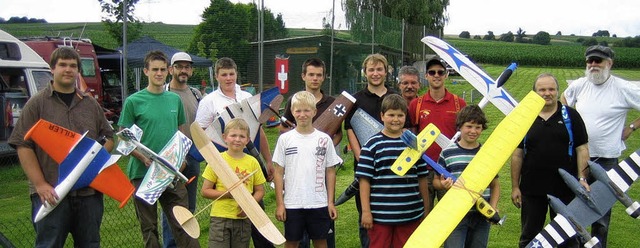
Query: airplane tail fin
x=409 y=139
x=113 y=182
x=58 y=148
x=351 y=190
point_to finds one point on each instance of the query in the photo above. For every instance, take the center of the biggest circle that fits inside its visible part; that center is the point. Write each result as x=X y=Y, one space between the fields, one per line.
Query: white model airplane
x=164 y=168
x=83 y=162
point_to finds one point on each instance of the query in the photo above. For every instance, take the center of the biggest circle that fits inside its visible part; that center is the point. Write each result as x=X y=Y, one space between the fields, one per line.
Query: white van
x=22 y=73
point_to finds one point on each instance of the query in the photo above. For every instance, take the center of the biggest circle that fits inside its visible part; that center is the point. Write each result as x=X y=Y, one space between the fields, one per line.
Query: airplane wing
x=409 y=156
x=609 y=187
x=364 y=126
x=446 y=215
x=248 y=109
x=85 y=164
x=165 y=166
x=472 y=73
x=242 y=196
x=331 y=119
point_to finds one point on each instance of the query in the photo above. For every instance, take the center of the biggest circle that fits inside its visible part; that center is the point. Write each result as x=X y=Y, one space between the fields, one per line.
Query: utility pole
x=123 y=66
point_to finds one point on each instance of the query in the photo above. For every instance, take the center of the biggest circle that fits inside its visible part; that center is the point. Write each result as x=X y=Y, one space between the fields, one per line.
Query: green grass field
x=120 y=227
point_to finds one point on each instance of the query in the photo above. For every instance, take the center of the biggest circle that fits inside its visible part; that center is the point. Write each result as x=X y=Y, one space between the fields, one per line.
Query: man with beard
x=557 y=139
x=409 y=82
x=181 y=69
x=603 y=100
x=437 y=106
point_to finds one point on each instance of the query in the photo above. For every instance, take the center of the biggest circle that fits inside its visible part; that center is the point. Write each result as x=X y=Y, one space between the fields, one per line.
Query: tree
x=477 y=37
x=601 y=33
x=417 y=13
x=227 y=30
x=590 y=42
x=508 y=37
x=489 y=36
x=115 y=16
x=465 y=35
x=559 y=33
x=542 y=38
x=520 y=35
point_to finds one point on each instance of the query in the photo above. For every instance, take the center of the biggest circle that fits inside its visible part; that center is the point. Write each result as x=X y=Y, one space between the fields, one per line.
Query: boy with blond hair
x=229 y=225
x=392 y=205
x=305 y=155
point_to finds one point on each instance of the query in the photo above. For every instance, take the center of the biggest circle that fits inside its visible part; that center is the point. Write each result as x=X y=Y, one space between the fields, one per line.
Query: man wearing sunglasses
x=437 y=106
x=603 y=101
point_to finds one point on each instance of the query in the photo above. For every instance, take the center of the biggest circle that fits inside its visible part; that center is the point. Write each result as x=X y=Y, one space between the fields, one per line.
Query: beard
x=598 y=77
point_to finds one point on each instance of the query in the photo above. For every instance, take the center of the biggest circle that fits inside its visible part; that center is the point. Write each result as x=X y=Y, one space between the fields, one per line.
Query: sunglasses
x=439 y=72
x=598 y=60
x=179 y=67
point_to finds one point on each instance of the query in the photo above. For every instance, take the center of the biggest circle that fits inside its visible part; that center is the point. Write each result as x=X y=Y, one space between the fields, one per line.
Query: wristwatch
x=633 y=127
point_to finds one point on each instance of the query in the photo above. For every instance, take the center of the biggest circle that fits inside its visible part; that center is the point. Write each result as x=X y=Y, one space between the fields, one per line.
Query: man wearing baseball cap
x=603 y=101
x=181 y=69
x=437 y=106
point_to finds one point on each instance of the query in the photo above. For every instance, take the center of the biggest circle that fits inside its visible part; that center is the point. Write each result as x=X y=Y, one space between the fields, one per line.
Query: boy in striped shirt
x=392 y=206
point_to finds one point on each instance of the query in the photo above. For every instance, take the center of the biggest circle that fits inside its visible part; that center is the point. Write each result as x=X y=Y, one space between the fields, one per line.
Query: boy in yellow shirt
x=229 y=226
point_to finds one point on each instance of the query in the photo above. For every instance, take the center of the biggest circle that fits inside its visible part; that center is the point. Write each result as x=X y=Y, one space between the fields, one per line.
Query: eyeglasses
x=439 y=72
x=598 y=60
x=179 y=67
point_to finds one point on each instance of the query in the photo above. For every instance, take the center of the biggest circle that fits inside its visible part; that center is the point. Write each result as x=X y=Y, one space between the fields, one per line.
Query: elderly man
x=409 y=82
x=603 y=100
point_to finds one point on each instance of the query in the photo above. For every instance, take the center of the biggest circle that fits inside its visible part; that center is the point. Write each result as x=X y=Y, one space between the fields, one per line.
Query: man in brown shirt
x=80 y=212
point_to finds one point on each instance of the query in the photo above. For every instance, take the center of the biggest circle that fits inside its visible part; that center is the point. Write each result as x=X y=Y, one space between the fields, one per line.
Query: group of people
x=586 y=123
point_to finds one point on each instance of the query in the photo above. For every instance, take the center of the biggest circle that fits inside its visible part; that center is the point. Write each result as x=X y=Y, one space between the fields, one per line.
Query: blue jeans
x=192 y=169
x=79 y=215
x=600 y=228
x=472 y=232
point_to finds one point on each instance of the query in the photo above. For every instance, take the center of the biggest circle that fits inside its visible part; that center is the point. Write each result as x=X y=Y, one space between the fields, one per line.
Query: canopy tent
x=136 y=51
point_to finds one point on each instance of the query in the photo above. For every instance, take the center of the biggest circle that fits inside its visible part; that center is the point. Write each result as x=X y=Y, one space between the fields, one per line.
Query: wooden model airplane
x=245 y=200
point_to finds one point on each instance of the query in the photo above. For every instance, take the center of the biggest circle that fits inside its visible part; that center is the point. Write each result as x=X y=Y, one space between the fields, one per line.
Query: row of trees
x=24 y=19
x=541 y=38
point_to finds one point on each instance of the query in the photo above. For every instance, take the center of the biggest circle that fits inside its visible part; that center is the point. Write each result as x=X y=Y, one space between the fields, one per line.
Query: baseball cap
x=435 y=60
x=599 y=51
x=181 y=56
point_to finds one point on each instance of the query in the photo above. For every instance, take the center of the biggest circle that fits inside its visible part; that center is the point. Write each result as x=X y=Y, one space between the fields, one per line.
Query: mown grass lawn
x=120 y=227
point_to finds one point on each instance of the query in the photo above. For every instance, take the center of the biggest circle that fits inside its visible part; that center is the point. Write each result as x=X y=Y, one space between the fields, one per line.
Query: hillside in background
x=564 y=51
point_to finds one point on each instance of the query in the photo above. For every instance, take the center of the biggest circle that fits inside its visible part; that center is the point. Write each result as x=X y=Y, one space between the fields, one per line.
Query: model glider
x=446 y=215
x=164 y=168
x=250 y=110
x=242 y=196
x=413 y=152
x=482 y=205
x=491 y=90
x=472 y=73
x=587 y=207
x=83 y=162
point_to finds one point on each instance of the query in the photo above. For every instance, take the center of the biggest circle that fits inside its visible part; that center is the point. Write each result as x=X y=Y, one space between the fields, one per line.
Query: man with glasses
x=437 y=106
x=409 y=82
x=181 y=70
x=603 y=101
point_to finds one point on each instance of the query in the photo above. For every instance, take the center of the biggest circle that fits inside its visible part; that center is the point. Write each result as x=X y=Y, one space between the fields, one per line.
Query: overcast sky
x=580 y=17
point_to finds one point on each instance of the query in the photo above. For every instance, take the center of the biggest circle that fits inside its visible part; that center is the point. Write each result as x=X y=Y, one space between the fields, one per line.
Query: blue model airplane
x=587 y=207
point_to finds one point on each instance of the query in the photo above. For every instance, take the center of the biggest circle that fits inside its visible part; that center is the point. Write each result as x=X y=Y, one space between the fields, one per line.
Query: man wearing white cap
x=181 y=69
x=603 y=101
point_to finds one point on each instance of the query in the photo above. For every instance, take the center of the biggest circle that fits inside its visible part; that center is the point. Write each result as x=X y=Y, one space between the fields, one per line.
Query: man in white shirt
x=603 y=101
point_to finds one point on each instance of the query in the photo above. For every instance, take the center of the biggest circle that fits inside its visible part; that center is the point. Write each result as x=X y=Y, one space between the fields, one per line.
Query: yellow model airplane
x=408 y=157
x=476 y=177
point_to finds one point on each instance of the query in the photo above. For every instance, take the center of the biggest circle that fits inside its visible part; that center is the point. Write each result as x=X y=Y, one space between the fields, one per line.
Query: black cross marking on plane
x=339 y=110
